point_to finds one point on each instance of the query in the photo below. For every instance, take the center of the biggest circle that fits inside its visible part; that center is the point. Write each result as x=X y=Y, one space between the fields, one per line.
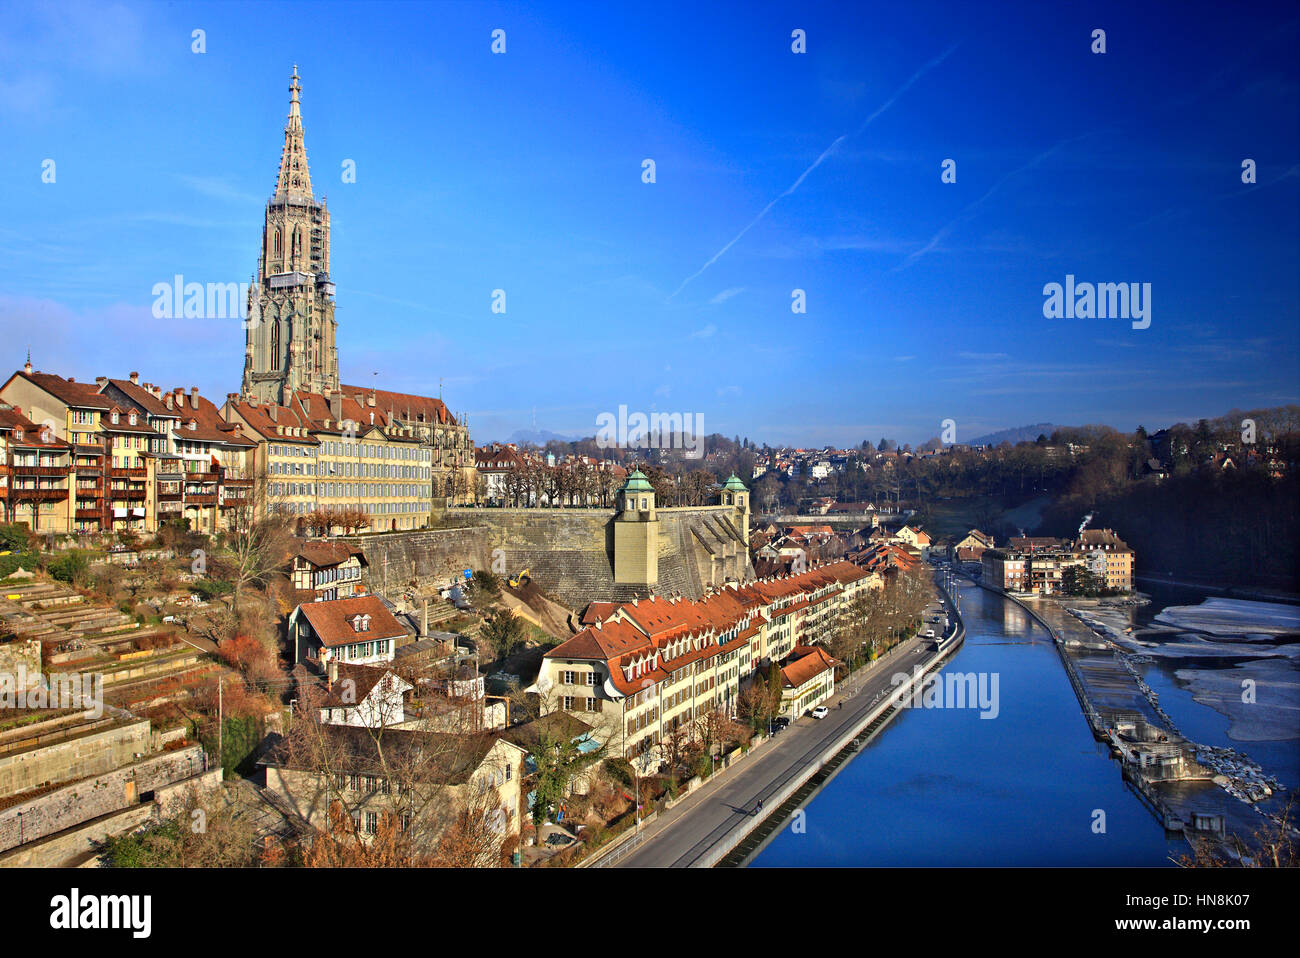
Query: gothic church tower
x=291 y=327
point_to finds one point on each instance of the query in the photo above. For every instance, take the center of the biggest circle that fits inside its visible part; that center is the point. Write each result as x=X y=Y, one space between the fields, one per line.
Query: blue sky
x=523 y=172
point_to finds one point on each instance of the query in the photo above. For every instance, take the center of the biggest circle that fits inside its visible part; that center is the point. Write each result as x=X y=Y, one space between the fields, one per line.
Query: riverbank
x=713 y=821
x=950 y=786
x=1230 y=591
x=1191 y=790
x=758 y=838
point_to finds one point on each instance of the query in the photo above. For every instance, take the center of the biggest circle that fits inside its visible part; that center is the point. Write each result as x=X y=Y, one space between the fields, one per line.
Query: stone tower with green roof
x=636 y=534
x=735 y=494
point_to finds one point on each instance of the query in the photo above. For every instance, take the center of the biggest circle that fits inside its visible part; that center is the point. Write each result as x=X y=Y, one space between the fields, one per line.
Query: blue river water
x=946 y=787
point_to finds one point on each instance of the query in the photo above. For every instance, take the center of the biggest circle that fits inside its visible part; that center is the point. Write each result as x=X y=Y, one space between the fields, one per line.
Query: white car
x=820 y=712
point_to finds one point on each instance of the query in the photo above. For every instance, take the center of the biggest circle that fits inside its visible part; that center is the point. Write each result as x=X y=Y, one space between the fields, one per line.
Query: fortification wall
x=568 y=552
x=421 y=558
x=75 y=757
x=91 y=797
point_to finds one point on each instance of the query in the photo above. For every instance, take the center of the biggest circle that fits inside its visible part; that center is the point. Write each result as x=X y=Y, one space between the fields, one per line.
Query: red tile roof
x=406 y=406
x=331 y=621
x=320 y=552
x=11 y=418
x=812 y=663
x=597 y=612
x=67 y=391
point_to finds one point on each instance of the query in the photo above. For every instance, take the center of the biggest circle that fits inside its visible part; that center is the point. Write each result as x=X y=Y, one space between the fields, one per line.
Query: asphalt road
x=686 y=833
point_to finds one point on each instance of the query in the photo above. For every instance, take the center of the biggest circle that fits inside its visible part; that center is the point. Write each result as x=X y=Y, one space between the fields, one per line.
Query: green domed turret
x=637 y=482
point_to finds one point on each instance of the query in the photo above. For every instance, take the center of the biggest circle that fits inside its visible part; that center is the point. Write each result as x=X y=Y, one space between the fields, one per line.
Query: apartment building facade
x=649 y=668
x=339 y=463
x=137 y=457
x=1040 y=565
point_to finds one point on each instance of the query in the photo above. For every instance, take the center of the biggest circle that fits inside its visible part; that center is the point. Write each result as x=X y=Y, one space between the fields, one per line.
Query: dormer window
x=115 y=417
x=131 y=418
x=18 y=433
x=192 y=425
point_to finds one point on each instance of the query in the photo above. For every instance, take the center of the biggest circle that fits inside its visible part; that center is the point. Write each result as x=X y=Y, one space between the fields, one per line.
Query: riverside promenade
x=712 y=822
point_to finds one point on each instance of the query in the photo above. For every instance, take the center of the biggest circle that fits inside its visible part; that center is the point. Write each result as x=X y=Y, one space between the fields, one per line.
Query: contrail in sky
x=817 y=162
x=971 y=209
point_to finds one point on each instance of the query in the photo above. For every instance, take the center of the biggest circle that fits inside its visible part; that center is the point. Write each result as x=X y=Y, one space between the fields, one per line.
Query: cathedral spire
x=294 y=178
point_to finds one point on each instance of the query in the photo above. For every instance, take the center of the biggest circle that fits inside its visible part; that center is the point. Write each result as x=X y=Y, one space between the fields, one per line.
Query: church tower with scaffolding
x=290 y=337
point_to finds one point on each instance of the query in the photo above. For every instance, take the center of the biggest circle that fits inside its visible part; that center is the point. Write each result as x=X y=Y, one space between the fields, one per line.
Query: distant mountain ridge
x=539 y=436
x=1017 y=434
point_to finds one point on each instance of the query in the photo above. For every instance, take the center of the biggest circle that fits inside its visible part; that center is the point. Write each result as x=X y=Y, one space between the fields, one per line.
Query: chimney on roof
x=135 y=379
x=27 y=368
x=336 y=404
x=194 y=396
x=101 y=380
x=71 y=380
x=370 y=400
x=168 y=400
x=332 y=670
x=232 y=397
x=274 y=412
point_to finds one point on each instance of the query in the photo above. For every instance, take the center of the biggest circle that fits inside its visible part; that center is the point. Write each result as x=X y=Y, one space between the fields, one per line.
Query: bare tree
x=258 y=539
x=393 y=797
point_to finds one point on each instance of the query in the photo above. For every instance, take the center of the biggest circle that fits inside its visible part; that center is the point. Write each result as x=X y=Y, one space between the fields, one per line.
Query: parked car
x=820 y=712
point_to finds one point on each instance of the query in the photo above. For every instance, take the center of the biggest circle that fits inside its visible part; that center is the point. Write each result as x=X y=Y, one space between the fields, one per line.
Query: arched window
x=279 y=242
x=275 y=346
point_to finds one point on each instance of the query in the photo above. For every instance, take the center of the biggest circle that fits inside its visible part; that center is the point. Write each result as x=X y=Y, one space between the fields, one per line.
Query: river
x=1029 y=787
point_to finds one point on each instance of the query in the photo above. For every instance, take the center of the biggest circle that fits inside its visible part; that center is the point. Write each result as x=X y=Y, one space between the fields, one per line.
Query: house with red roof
x=356 y=631
x=651 y=668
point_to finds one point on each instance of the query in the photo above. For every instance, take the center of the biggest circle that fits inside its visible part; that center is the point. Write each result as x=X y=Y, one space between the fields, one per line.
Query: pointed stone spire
x=294 y=179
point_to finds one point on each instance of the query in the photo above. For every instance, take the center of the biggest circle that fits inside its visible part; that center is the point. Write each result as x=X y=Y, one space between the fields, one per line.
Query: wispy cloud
x=973 y=208
x=726 y=294
x=983 y=357
x=218 y=188
x=816 y=163
x=704 y=333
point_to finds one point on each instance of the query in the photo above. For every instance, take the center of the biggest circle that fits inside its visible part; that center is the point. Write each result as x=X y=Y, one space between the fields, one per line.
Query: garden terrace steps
x=42 y=593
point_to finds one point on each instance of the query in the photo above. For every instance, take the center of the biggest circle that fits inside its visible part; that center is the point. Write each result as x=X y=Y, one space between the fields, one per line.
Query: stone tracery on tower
x=290 y=341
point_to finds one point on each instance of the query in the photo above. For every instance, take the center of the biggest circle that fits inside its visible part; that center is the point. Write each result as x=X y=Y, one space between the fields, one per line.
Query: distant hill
x=539 y=436
x=1017 y=434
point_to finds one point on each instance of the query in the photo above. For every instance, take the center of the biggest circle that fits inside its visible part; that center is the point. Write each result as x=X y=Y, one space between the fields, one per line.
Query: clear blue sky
x=522 y=172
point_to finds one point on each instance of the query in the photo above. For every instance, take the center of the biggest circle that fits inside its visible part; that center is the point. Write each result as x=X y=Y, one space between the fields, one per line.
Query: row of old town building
x=122 y=455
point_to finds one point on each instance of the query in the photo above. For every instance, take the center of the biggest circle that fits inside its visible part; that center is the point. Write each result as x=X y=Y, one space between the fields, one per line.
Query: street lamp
x=636 y=797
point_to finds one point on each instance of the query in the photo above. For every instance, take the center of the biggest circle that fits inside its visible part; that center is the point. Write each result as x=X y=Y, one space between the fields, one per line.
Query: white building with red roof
x=649 y=668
